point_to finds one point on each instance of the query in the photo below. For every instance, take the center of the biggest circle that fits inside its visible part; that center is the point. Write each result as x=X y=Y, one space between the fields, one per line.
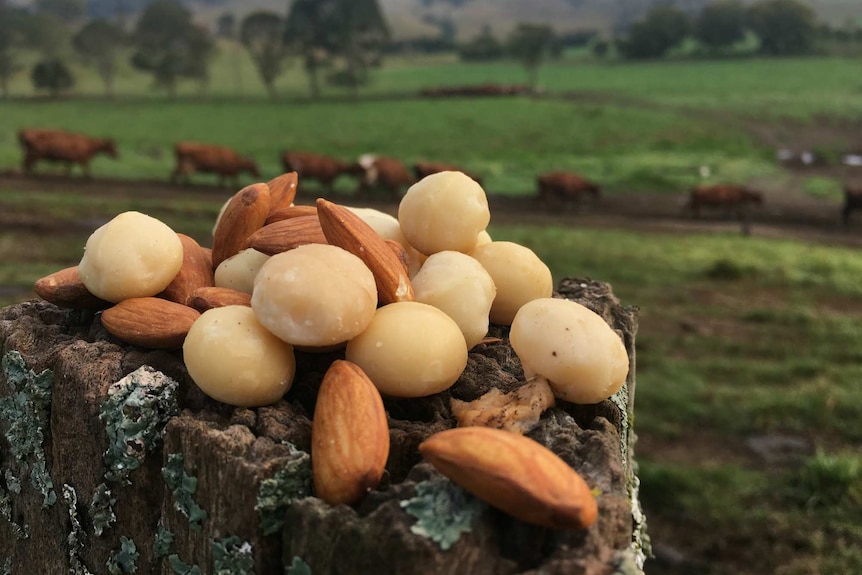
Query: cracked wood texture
x=228 y=452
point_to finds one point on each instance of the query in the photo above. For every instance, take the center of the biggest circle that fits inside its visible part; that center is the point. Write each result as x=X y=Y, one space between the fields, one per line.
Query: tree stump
x=114 y=462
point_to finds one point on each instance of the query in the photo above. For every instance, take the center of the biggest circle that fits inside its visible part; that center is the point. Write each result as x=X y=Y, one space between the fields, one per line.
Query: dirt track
x=787 y=215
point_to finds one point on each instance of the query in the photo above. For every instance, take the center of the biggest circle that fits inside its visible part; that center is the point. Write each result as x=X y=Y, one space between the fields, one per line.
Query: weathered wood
x=200 y=484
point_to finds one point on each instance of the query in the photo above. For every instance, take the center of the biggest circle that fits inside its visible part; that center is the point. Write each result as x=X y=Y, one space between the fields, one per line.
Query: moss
x=183 y=487
x=288 y=483
x=164 y=541
x=102 y=509
x=443 y=511
x=124 y=559
x=232 y=556
x=76 y=537
x=180 y=567
x=135 y=413
x=26 y=414
x=297 y=567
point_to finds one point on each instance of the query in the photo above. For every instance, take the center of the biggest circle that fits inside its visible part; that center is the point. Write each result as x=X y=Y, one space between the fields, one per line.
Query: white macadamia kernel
x=519 y=275
x=235 y=360
x=583 y=359
x=459 y=286
x=238 y=271
x=444 y=211
x=133 y=255
x=410 y=349
x=483 y=238
x=314 y=295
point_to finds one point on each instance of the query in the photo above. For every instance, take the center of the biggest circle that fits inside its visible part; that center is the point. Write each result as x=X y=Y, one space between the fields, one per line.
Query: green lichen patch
x=183 y=487
x=6 y=568
x=135 y=413
x=164 y=541
x=76 y=537
x=297 y=567
x=18 y=531
x=124 y=559
x=275 y=493
x=443 y=511
x=25 y=414
x=102 y=509
x=232 y=556
x=180 y=567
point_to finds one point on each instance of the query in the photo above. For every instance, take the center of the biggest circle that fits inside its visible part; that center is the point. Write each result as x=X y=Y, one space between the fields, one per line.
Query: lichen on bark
x=443 y=511
x=297 y=567
x=232 y=556
x=124 y=559
x=183 y=488
x=288 y=483
x=180 y=567
x=26 y=413
x=164 y=541
x=102 y=509
x=76 y=537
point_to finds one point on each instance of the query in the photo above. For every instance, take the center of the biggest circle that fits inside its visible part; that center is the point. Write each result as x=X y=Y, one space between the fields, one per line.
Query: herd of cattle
x=555 y=189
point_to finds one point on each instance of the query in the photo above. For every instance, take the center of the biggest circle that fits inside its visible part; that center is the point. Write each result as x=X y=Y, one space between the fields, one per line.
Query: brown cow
x=731 y=197
x=60 y=146
x=852 y=202
x=566 y=187
x=324 y=169
x=194 y=157
x=384 y=172
x=422 y=169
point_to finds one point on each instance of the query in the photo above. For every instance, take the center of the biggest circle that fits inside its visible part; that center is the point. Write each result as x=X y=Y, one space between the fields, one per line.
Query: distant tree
x=226 y=26
x=48 y=35
x=784 y=26
x=261 y=33
x=98 y=43
x=531 y=45
x=664 y=27
x=306 y=34
x=65 y=10
x=720 y=24
x=169 y=46
x=484 y=47
x=52 y=76
x=13 y=38
x=600 y=48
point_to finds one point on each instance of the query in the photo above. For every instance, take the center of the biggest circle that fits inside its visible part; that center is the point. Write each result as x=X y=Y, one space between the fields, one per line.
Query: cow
x=730 y=197
x=422 y=169
x=565 y=187
x=324 y=169
x=852 y=202
x=194 y=157
x=59 y=146
x=384 y=172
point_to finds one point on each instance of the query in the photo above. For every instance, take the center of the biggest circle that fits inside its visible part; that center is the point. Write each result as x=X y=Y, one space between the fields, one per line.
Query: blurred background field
x=749 y=363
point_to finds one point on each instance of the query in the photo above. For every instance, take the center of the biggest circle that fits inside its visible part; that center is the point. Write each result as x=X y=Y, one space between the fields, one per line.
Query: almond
x=349 y=435
x=290 y=212
x=196 y=272
x=287 y=234
x=65 y=289
x=346 y=230
x=514 y=474
x=243 y=215
x=150 y=322
x=399 y=251
x=205 y=298
x=282 y=190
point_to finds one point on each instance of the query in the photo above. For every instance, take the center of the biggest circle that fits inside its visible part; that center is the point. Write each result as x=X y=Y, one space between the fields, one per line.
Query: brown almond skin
x=287 y=234
x=282 y=190
x=65 y=289
x=290 y=212
x=349 y=436
x=514 y=474
x=399 y=251
x=196 y=272
x=244 y=214
x=348 y=231
x=150 y=322
x=205 y=298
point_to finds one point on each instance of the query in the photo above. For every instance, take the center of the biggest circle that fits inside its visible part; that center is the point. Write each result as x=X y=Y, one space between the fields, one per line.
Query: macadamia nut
x=518 y=273
x=410 y=349
x=133 y=255
x=314 y=295
x=572 y=347
x=238 y=271
x=235 y=360
x=444 y=211
x=458 y=285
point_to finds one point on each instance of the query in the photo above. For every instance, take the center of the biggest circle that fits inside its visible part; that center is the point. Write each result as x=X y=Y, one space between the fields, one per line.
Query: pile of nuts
x=282 y=279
